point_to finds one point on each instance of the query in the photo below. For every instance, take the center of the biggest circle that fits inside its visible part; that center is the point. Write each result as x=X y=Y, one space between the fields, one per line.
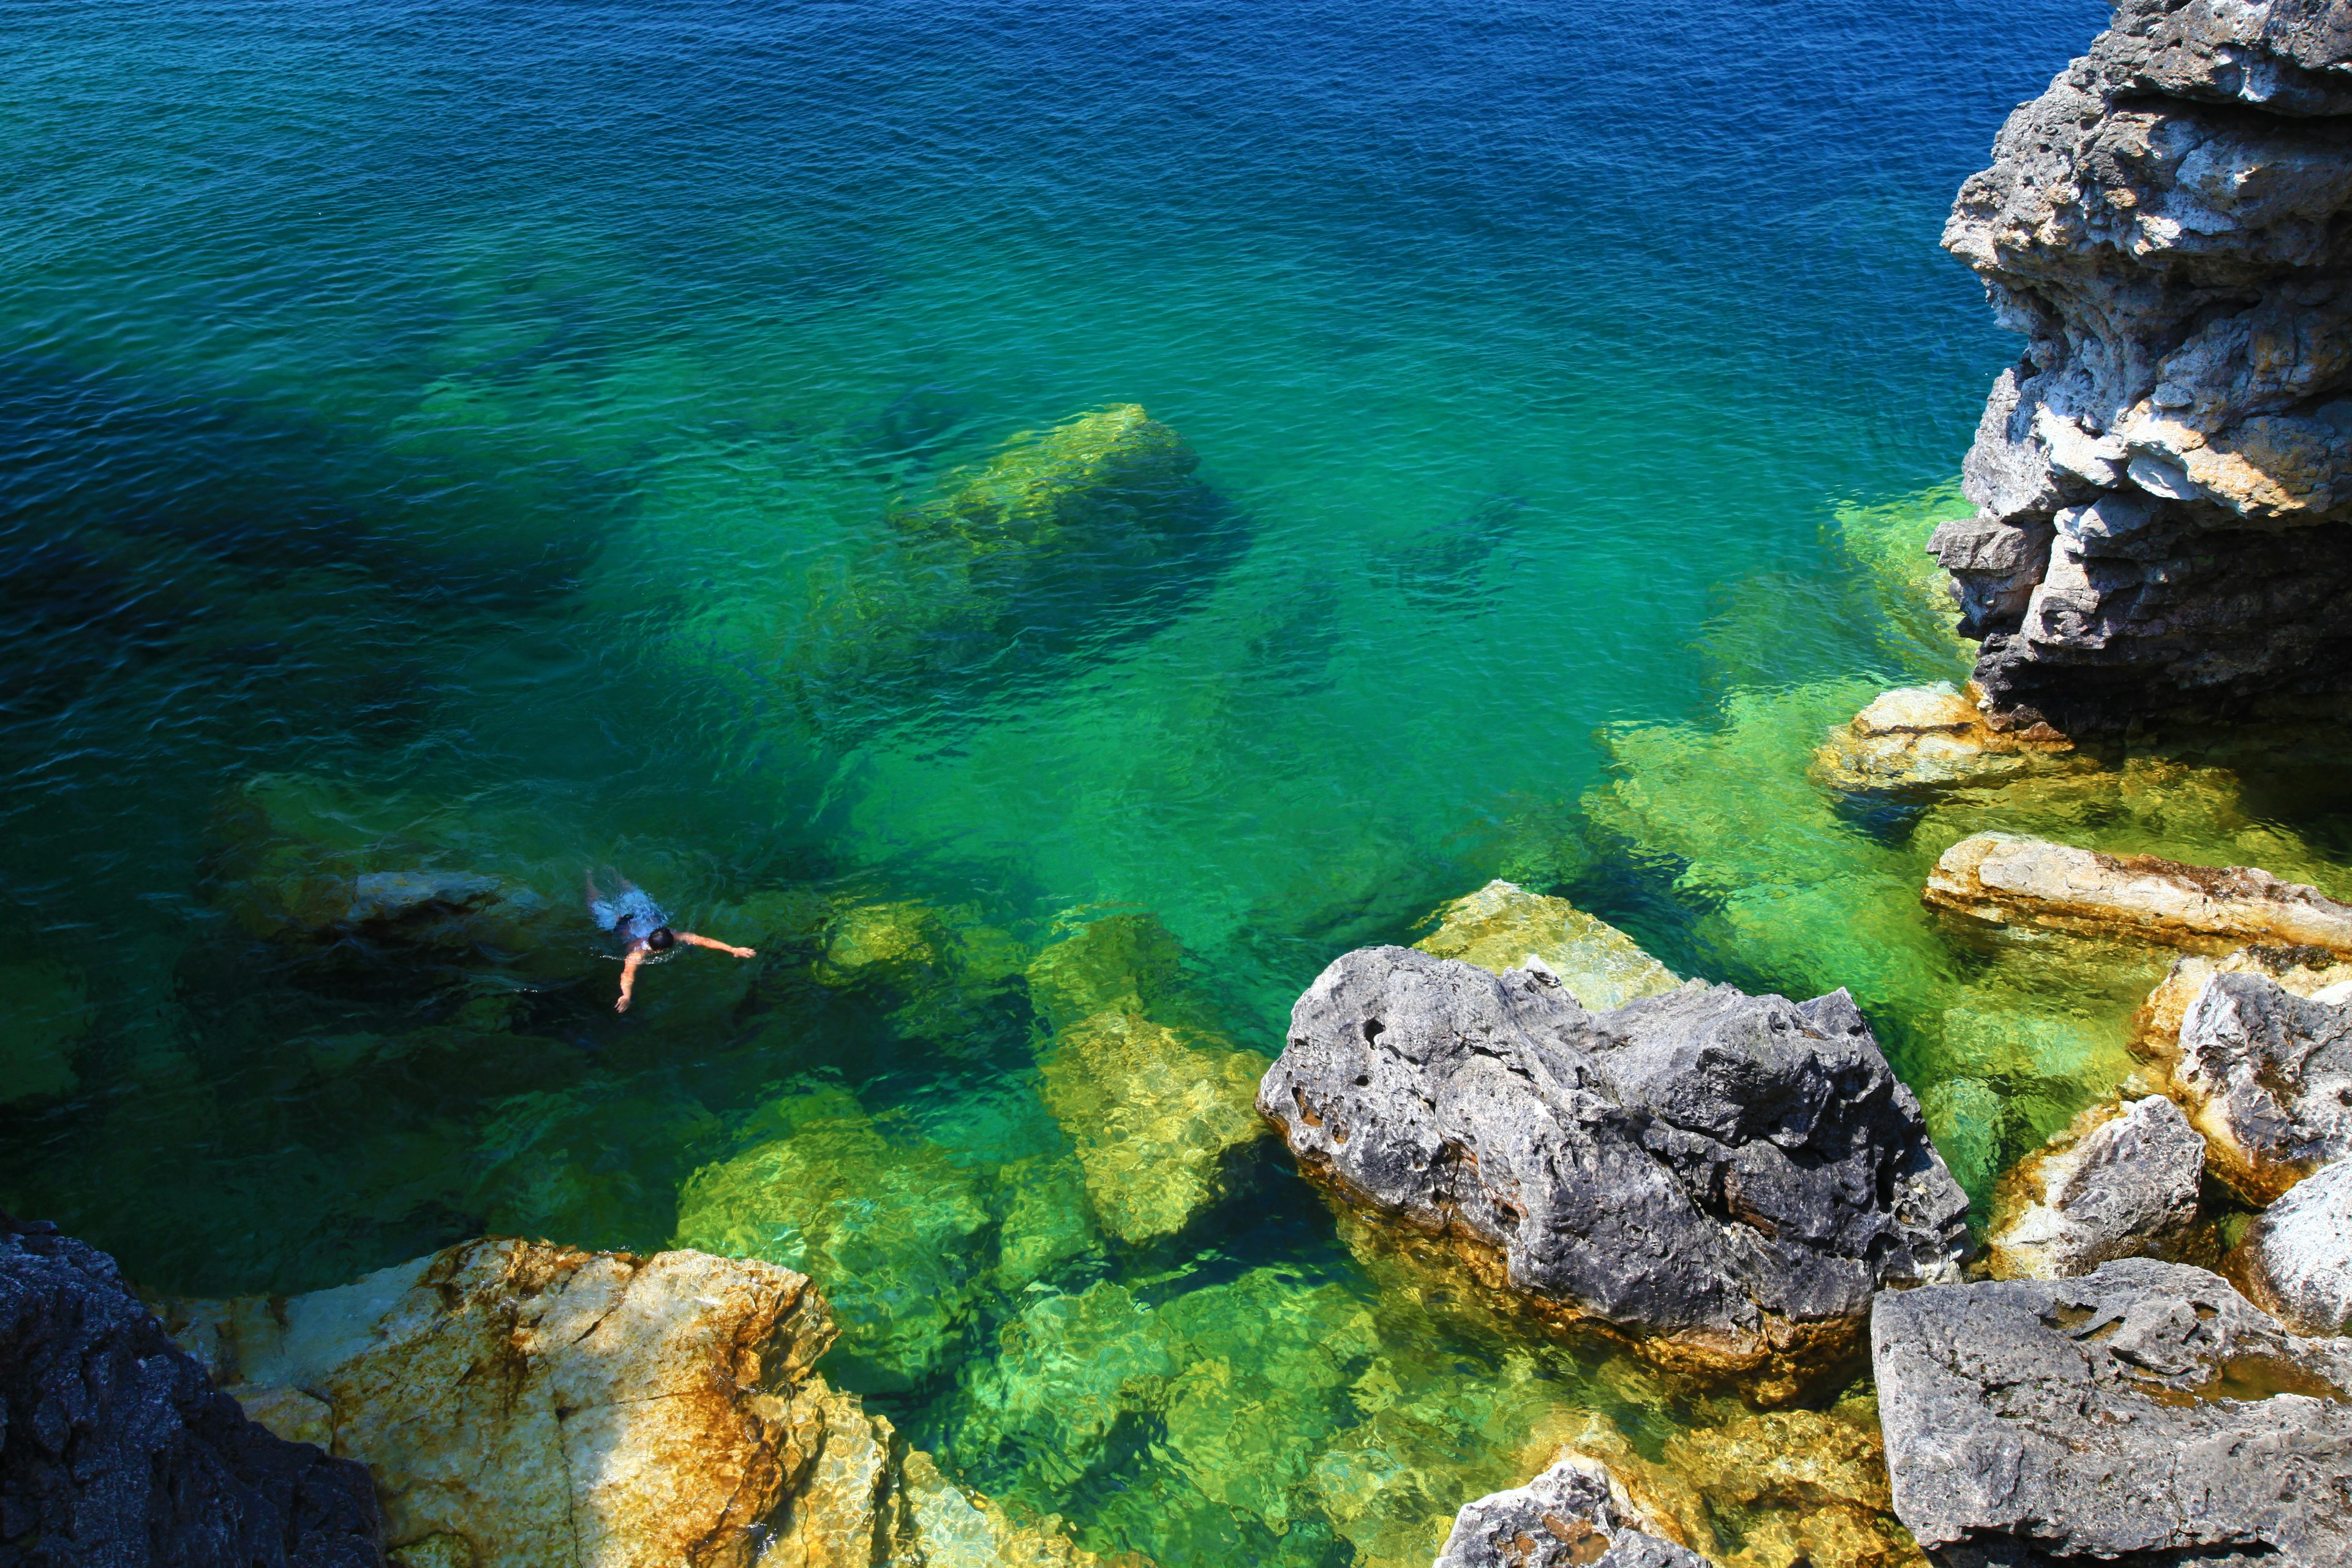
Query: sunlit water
x=446 y=439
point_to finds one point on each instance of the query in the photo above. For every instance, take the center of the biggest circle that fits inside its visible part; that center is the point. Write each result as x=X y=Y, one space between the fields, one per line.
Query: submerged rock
x=2165 y=479
x=2264 y=1073
x=1502 y=926
x=116 y=1447
x=44 y=1011
x=520 y=1404
x=2120 y=1183
x=1574 y=1513
x=1726 y=1179
x=2295 y=1260
x=2145 y=1415
x=2002 y=879
x=1924 y=737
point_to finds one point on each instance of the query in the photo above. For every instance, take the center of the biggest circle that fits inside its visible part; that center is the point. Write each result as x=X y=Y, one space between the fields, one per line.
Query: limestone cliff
x=2164 y=481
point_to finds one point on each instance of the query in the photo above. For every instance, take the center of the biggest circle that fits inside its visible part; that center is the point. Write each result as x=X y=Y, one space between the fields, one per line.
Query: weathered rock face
x=2295 y=1260
x=1502 y=925
x=1574 y=1513
x=1920 y=739
x=2165 y=479
x=2002 y=878
x=2265 y=1076
x=520 y=1404
x=2121 y=1182
x=116 y=1447
x=2143 y=1415
x=1724 y=1178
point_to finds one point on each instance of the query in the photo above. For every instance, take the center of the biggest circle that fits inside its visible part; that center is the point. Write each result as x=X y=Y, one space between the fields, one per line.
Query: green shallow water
x=506 y=444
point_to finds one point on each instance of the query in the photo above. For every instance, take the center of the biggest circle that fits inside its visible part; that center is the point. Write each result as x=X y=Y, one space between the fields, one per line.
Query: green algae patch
x=1502 y=925
x=1914 y=616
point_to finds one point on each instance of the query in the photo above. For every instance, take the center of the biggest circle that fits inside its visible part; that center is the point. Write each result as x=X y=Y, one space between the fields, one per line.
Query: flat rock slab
x=1574 y=1515
x=2143 y=1415
x=1724 y=1178
x=2123 y=1182
x=2002 y=878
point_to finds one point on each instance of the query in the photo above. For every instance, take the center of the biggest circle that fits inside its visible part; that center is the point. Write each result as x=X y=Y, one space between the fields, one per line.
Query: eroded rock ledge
x=1723 y=1178
x=2165 y=479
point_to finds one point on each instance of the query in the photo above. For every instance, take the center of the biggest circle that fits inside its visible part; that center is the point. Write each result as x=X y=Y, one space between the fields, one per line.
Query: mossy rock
x=1502 y=925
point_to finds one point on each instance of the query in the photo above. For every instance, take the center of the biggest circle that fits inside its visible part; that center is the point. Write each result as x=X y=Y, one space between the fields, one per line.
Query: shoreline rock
x=2294 y=1261
x=2164 y=479
x=2144 y=1415
x=2122 y=1182
x=1575 y=1513
x=1722 y=1180
x=2004 y=878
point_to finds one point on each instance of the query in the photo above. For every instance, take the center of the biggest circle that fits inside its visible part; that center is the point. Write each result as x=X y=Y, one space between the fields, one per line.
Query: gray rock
x=1724 y=1178
x=2123 y=1183
x=1573 y=1513
x=2295 y=1260
x=2143 y=1415
x=2267 y=1076
x=116 y=1449
x=2166 y=225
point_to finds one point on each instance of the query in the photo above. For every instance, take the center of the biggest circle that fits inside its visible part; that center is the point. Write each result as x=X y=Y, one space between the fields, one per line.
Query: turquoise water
x=470 y=440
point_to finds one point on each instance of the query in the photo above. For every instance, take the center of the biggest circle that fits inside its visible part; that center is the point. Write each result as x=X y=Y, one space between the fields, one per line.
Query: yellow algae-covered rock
x=44 y=1011
x=1502 y=925
x=895 y=1226
x=1927 y=736
x=2004 y=878
x=934 y=971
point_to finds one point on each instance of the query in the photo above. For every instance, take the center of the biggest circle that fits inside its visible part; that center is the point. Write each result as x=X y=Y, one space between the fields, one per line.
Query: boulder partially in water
x=2004 y=878
x=116 y=1447
x=1502 y=926
x=2122 y=1182
x=1724 y=1179
x=2261 y=1060
x=1575 y=1513
x=2295 y=1260
x=2145 y=1415
x=1923 y=738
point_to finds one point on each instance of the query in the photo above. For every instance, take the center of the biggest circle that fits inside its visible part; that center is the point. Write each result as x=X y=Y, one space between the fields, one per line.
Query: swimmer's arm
x=628 y=978
x=714 y=946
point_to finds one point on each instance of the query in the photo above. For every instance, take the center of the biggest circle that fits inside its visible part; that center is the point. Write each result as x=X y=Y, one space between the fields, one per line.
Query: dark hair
x=662 y=939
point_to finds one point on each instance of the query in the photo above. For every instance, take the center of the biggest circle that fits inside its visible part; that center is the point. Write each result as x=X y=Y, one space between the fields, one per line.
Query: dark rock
x=2144 y=1414
x=1724 y=1178
x=2267 y=1076
x=116 y=1449
x=2122 y=1182
x=2165 y=479
x=1573 y=1513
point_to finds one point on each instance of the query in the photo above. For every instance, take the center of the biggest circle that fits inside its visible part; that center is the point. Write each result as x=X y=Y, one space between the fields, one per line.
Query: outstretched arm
x=628 y=978
x=714 y=946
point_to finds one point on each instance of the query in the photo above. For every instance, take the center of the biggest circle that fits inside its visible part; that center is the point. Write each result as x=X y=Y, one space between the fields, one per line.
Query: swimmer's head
x=661 y=940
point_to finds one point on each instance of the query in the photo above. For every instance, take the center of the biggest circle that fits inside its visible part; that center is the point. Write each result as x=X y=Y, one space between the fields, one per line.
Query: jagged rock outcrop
x=116 y=1447
x=1724 y=1179
x=2004 y=878
x=2264 y=1073
x=2120 y=1183
x=2165 y=479
x=1502 y=925
x=2145 y=1415
x=2295 y=1260
x=1916 y=740
x=1574 y=1515
x=521 y=1405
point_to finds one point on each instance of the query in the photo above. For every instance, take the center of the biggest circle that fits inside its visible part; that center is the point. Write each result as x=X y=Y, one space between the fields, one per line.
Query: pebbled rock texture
x=1724 y=1179
x=2004 y=878
x=2295 y=1260
x=2145 y=1415
x=1574 y=1515
x=117 y=1449
x=2121 y=1182
x=2164 y=480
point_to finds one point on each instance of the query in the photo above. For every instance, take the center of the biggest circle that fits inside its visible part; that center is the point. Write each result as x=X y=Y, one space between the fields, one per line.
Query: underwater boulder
x=2004 y=878
x=1575 y=1513
x=44 y=1012
x=2295 y=1260
x=1923 y=738
x=2121 y=1181
x=116 y=1447
x=1722 y=1179
x=2144 y=1415
x=1502 y=925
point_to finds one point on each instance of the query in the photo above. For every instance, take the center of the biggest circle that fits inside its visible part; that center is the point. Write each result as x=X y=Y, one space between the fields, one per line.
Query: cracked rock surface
x=1724 y=1179
x=2164 y=480
x=1575 y=1513
x=2145 y=1415
x=2122 y=1184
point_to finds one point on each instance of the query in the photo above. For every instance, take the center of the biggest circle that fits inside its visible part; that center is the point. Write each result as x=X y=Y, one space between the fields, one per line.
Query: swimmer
x=639 y=923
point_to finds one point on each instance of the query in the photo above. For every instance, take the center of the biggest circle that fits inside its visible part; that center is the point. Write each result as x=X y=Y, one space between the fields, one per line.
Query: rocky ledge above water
x=2164 y=481
x=1723 y=1178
